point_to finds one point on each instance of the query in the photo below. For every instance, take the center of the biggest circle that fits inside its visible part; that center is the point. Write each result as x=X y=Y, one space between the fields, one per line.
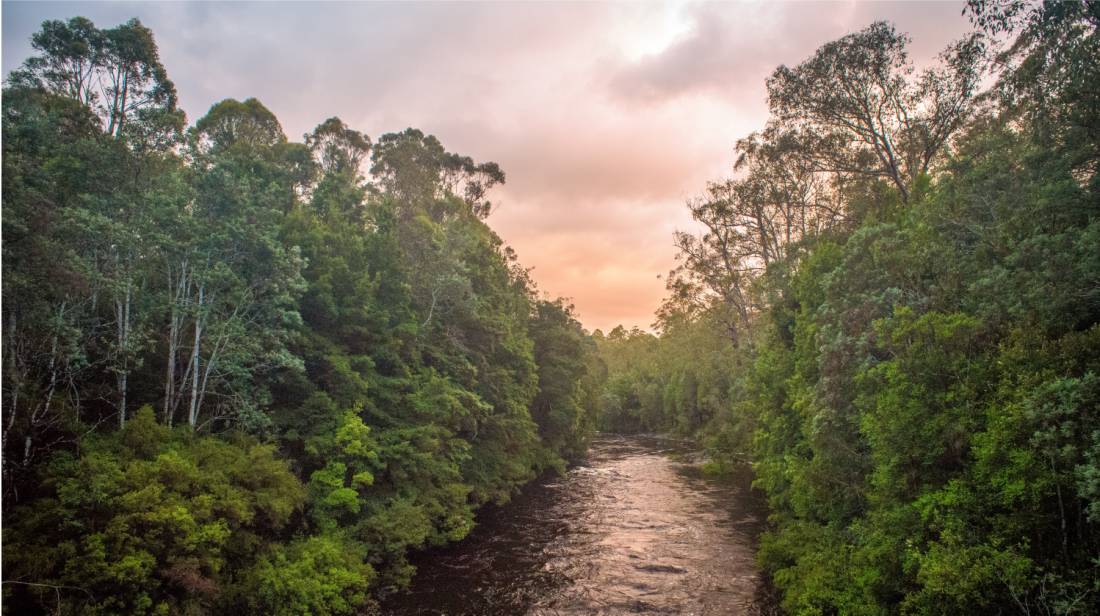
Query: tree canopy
x=333 y=359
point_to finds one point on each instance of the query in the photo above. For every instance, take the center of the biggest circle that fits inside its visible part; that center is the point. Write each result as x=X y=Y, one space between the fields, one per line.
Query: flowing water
x=632 y=530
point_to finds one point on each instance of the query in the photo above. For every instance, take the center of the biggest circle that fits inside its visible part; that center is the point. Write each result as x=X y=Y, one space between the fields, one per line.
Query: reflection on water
x=630 y=531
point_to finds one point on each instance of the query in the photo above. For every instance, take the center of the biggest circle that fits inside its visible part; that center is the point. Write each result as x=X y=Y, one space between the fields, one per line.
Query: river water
x=632 y=530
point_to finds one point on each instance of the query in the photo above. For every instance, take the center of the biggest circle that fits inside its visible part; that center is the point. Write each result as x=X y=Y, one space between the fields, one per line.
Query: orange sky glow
x=606 y=117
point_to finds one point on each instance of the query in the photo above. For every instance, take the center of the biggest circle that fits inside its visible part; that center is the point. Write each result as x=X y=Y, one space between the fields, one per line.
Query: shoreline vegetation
x=893 y=313
x=245 y=374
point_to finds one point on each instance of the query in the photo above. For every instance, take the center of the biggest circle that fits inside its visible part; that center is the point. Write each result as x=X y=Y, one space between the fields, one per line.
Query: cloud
x=606 y=117
x=714 y=55
x=729 y=51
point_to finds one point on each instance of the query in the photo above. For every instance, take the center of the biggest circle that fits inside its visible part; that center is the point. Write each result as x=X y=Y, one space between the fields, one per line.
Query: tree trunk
x=170 y=376
x=178 y=288
x=122 y=107
x=122 y=310
x=44 y=411
x=14 y=381
x=114 y=104
x=193 y=415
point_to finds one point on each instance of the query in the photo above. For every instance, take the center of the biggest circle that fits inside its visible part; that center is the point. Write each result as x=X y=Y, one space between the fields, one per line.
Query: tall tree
x=116 y=72
x=859 y=110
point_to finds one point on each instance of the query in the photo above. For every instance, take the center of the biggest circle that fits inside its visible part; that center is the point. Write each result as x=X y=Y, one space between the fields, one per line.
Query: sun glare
x=650 y=32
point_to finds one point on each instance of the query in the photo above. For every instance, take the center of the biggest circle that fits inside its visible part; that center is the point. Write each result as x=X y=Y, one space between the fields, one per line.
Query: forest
x=893 y=314
x=246 y=374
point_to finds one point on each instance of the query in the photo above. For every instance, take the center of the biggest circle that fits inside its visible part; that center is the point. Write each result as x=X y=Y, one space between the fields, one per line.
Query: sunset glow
x=605 y=117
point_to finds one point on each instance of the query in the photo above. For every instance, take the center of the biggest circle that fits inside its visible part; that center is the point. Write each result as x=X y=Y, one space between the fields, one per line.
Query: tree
x=53 y=154
x=337 y=148
x=751 y=224
x=561 y=351
x=1050 y=67
x=115 y=72
x=235 y=282
x=858 y=110
x=416 y=169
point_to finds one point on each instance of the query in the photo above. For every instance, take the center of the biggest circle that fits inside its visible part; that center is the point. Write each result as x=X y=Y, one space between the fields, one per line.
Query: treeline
x=893 y=312
x=243 y=374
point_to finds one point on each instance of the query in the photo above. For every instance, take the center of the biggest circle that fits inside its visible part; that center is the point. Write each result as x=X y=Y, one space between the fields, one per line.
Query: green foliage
x=562 y=352
x=358 y=360
x=315 y=575
x=149 y=520
x=927 y=451
x=915 y=380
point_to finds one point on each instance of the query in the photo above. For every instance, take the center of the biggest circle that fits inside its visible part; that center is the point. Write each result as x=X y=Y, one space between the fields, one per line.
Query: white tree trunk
x=122 y=311
x=193 y=415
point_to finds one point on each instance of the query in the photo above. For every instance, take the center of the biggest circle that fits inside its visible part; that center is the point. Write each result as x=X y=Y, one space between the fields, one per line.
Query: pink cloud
x=605 y=117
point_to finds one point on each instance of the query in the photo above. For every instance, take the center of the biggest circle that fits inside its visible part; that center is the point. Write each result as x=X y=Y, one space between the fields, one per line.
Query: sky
x=606 y=117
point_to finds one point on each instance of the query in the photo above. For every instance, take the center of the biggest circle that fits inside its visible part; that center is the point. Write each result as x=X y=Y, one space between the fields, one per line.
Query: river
x=632 y=530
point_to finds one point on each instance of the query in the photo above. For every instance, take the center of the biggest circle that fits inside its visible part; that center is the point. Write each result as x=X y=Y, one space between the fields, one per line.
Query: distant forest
x=243 y=374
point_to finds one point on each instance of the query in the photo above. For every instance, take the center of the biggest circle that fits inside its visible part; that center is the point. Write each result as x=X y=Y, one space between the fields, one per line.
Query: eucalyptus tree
x=861 y=109
x=337 y=148
x=854 y=111
x=714 y=272
x=416 y=169
x=57 y=169
x=115 y=72
x=1049 y=70
x=750 y=223
x=471 y=300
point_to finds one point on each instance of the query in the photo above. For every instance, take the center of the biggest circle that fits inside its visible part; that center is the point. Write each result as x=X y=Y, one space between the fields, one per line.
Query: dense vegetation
x=243 y=374
x=894 y=313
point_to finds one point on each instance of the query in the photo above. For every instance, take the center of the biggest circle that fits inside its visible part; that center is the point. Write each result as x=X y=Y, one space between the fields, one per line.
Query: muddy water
x=633 y=530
